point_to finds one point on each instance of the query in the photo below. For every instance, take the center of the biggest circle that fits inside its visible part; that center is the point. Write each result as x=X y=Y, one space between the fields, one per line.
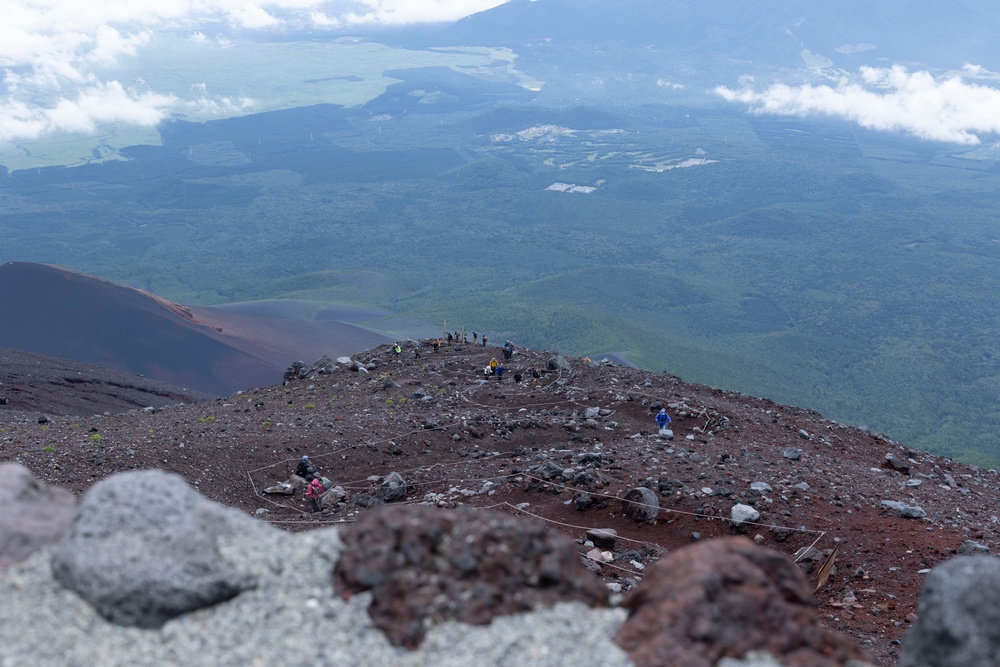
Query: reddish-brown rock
x=426 y=564
x=722 y=598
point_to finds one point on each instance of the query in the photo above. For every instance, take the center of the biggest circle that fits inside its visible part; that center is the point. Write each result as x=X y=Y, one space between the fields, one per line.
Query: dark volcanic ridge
x=567 y=449
x=34 y=386
x=52 y=311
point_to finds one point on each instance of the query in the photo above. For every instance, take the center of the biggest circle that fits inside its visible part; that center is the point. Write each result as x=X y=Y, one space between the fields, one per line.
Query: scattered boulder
x=603 y=538
x=32 y=513
x=322 y=366
x=288 y=487
x=351 y=364
x=297 y=370
x=958 y=619
x=641 y=504
x=547 y=470
x=741 y=514
x=903 y=510
x=893 y=462
x=425 y=566
x=282 y=488
x=332 y=496
x=558 y=362
x=704 y=602
x=973 y=548
x=293 y=372
x=143 y=549
x=792 y=453
x=393 y=488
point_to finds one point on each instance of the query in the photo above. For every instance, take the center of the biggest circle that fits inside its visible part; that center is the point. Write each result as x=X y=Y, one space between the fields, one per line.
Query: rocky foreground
x=146 y=571
x=755 y=511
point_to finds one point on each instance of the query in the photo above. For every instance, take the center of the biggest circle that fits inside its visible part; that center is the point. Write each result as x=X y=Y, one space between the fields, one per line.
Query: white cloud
x=948 y=108
x=92 y=106
x=392 y=12
x=54 y=49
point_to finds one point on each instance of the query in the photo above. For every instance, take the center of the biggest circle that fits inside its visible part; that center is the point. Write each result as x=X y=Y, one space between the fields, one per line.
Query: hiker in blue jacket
x=662 y=419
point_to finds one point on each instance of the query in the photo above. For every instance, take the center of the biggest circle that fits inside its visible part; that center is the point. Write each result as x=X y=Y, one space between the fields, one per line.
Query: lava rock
x=603 y=538
x=792 y=453
x=425 y=566
x=893 y=462
x=393 y=488
x=641 y=504
x=704 y=601
x=558 y=363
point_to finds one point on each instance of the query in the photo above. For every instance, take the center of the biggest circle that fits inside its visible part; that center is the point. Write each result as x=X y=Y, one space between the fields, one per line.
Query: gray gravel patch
x=292 y=617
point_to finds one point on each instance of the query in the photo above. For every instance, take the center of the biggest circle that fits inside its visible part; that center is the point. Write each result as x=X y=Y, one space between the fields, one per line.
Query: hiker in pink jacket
x=313 y=492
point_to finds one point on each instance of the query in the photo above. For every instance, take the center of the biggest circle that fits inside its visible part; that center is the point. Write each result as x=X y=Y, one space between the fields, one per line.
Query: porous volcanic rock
x=32 y=513
x=143 y=549
x=959 y=616
x=426 y=565
x=724 y=598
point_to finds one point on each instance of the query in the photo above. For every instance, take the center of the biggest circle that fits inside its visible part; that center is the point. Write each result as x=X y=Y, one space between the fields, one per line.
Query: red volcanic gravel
x=565 y=450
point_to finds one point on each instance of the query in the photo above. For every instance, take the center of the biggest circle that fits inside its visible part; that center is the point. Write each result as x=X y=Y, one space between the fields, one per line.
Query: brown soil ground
x=476 y=442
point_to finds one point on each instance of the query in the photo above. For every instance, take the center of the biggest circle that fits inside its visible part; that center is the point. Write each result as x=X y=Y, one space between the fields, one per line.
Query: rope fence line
x=682 y=512
x=820 y=534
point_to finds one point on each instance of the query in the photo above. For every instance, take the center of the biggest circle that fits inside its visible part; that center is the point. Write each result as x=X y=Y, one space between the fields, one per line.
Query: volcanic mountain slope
x=566 y=450
x=33 y=386
x=52 y=311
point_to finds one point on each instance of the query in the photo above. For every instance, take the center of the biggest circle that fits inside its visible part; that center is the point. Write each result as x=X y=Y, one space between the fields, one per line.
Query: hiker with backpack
x=314 y=491
x=303 y=468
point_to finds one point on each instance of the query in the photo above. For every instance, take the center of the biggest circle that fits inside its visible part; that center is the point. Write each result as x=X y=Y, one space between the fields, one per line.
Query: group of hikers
x=452 y=337
x=463 y=337
x=314 y=483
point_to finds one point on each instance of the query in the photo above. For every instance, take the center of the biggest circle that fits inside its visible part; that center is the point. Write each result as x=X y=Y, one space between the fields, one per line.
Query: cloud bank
x=50 y=51
x=951 y=109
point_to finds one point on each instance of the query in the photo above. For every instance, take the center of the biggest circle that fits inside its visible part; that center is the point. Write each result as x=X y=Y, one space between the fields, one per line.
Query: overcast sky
x=52 y=50
x=958 y=108
x=49 y=50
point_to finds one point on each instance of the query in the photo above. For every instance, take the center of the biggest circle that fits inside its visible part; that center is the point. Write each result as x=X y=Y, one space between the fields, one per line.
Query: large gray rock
x=641 y=504
x=558 y=362
x=143 y=549
x=904 y=510
x=393 y=488
x=32 y=513
x=958 y=621
x=741 y=514
x=973 y=548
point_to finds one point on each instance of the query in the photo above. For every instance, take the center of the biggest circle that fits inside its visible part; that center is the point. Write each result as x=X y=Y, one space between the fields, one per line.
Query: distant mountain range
x=52 y=311
x=937 y=33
